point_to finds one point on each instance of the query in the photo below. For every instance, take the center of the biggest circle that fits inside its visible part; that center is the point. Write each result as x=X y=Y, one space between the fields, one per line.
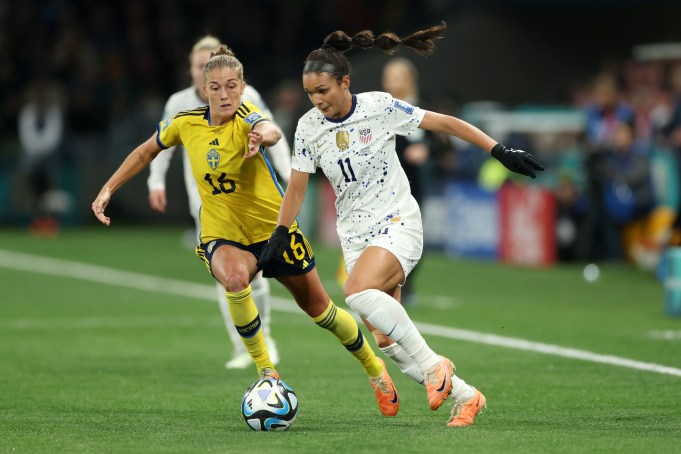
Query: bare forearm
x=290 y=207
x=136 y=161
x=293 y=199
x=447 y=124
x=270 y=133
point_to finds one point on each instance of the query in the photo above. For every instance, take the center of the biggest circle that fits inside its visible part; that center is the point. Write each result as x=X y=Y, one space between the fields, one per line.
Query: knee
x=235 y=283
x=352 y=287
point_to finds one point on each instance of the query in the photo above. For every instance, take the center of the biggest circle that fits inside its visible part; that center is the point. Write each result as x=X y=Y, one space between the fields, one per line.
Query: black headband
x=318 y=66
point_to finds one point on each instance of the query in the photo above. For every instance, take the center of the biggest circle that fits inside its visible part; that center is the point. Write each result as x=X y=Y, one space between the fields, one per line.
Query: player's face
x=397 y=81
x=331 y=97
x=224 y=89
x=197 y=62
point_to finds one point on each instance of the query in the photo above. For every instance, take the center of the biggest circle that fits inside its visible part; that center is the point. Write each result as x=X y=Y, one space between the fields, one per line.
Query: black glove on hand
x=518 y=161
x=275 y=247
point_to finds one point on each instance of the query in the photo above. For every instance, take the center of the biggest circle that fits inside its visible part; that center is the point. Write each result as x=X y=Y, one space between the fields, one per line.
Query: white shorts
x=404 y=242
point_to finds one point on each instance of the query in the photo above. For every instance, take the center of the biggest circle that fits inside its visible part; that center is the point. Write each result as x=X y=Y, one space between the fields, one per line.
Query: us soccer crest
x=213 y=158
x=342 y=140
x=365 y=135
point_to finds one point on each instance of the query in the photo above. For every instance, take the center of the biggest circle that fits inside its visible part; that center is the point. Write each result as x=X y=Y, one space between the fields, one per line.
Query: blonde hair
x=208 y=42
x=223 y=57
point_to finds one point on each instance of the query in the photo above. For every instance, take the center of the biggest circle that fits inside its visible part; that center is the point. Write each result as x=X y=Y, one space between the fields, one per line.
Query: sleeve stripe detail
x=158 y=137
x=195 y=112
x=259 y=121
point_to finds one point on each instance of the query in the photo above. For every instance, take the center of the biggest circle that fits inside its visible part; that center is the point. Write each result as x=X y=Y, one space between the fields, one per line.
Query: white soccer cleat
x=241 y=361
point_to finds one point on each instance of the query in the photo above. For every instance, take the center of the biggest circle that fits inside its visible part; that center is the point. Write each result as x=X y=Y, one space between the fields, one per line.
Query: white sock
x=461 y=390
x=234 y=337
x=405 y=362
x=387 y=314
x=260 y=291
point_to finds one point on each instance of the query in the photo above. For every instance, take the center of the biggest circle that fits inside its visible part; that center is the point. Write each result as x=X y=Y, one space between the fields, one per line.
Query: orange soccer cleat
x=438 y=382
x=386 y=394
x=464 y=413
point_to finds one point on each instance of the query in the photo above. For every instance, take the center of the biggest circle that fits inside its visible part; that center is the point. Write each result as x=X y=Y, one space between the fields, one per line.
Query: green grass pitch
x=90 y=366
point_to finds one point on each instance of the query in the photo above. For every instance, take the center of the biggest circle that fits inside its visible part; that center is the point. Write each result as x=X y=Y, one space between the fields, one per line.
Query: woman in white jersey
x=352 y=139
x=280 y=153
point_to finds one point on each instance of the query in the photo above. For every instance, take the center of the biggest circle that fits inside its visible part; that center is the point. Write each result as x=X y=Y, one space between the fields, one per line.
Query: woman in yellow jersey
x=240 y=199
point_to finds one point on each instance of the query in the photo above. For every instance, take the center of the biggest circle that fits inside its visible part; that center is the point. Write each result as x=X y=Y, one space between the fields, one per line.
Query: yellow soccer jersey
x=240 y=197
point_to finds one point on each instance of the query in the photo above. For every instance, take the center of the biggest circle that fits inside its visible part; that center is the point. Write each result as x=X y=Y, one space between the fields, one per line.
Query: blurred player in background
x=280 y=154
x=401 y=80
x=352 y=139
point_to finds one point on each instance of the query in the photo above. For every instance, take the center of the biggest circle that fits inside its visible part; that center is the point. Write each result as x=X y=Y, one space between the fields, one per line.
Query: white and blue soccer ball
x=269 y=404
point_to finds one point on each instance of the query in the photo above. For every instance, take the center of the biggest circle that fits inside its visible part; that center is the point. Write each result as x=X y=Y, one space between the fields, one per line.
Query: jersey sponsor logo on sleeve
x=405 y=106
x=252 y=118
x=213 y=158
x=365 y=135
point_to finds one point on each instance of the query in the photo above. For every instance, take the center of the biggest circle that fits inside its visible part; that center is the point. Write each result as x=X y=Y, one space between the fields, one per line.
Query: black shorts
x=297 y=259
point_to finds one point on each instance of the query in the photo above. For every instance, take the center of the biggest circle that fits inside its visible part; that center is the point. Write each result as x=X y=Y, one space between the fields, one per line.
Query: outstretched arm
x=516 y=160
x=453 y=126
x=137 y=160
x=290 y=207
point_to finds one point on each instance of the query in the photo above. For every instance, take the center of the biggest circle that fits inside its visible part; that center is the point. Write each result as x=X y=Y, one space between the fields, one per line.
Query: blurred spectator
x=628 y=187
x=597 y=232
x=622 y=178
x=41 y=130
x=644 y=89
x=606 y=112
x=672 y=130
x=672 y=134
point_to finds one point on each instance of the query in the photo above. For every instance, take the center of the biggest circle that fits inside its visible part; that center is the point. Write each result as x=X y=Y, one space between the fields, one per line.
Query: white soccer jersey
x=189 y=99
x=357 y=155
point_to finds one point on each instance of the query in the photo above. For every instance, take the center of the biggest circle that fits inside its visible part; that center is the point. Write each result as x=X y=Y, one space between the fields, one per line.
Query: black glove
x=275 y=247
x=518 y=161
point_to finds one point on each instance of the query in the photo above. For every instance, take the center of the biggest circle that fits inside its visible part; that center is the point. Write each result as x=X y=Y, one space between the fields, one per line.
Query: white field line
x=93 y=273
x=669 y=334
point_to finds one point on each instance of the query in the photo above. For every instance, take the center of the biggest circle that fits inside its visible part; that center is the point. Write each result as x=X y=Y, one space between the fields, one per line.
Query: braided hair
x=330 y=57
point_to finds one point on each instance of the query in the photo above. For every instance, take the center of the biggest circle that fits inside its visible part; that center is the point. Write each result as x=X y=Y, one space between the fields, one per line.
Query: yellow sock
x=247 y=321
x=345 y=328
x=341 y=273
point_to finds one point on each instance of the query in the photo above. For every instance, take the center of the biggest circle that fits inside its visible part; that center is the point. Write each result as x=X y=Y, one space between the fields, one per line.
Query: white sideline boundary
x=29 y=263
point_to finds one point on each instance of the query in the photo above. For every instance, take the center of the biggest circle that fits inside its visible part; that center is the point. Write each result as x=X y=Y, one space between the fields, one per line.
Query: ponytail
x=330 y=56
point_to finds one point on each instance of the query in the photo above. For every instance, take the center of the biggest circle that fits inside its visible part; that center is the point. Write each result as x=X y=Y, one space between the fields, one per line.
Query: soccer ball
x=269 y=404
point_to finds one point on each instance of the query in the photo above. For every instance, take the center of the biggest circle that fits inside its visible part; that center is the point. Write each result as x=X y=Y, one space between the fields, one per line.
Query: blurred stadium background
x=592 y=88
x=533 y=74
